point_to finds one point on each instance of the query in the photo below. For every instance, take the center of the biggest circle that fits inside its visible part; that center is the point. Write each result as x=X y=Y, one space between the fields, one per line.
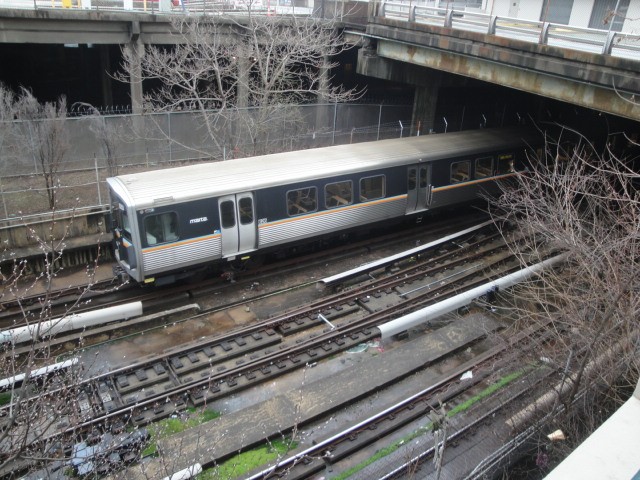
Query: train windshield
x=121 y=218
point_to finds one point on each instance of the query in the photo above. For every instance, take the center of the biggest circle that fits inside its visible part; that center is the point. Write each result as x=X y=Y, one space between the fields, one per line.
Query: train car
x=168 y=222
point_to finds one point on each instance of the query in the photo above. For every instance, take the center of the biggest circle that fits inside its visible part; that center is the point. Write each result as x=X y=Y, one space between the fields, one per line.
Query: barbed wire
x=83 y=181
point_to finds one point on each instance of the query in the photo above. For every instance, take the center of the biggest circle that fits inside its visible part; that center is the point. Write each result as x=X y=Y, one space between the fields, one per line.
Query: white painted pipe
x=76 y=321
x=450 y=304
x=399 y=256
x=186 y=474
x=7 y=382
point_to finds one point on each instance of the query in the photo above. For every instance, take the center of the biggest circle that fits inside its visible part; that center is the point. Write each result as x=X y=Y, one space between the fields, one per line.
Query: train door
x=237 y=223
x=418 y=188
x=122 y=233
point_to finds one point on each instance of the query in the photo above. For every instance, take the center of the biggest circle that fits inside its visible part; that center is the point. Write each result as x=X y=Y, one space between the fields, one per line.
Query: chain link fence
x=99 y=146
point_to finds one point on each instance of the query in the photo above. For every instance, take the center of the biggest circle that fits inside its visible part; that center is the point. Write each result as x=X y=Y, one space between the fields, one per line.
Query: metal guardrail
x=605 y=42
x=591 y=40
x=163 y=6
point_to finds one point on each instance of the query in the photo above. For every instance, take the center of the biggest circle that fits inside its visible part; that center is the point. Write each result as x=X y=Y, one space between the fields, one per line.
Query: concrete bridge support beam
x=135 y=49
x=322 y=113
x=425 y=101
x=105 y=83
x=426 y=82
x=243 y=64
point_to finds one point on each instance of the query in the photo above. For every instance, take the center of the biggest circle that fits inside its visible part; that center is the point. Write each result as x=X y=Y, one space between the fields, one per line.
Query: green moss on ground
x=421 y=431
x=245 y=462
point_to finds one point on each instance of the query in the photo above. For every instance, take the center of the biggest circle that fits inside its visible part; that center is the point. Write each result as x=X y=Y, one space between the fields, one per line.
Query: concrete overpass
x=398 y=46
x=404 y=43
x=130 y=29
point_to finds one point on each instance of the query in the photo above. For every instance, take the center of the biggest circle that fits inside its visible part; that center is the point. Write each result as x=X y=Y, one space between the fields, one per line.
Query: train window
x=301 y=201
x=120 y=218
x=372 y=188
x=338 y=194
x=228 y=214
x=123 y=221
x=506 y=164
x=245 y=206
x=423 y=177
x=460 y=171
x=411 y=181
x=484 y=167
x=161 y=228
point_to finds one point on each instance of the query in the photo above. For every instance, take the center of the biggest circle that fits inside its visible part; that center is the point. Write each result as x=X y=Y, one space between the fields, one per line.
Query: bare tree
x=39 y=395
x=46 y=137
x=243 y=75
x=582 y=199
x=7 y=133
x=108 y=136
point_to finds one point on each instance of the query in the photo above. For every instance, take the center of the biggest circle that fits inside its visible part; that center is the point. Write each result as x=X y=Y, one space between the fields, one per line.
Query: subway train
x=168 y=223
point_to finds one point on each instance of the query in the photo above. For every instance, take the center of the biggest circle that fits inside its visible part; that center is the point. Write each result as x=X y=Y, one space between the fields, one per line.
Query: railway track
x=417 y=406
x=108 y=292
x=211 y=369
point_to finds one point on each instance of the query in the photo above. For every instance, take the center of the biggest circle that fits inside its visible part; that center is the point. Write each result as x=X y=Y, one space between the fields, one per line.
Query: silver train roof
x=181 y=184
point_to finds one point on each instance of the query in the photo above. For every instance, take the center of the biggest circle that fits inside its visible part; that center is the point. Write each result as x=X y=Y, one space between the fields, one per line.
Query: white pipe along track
x=431 y=312
x=75 y=321
x=7 y=382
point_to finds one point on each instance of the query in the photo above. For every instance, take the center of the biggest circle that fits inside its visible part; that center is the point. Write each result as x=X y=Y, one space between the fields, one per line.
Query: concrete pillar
x=322 y=109
x=323 y=77
x=373 y=8
x=105 y=77
x=136 y=48
x=425 y=101
x=243 y=65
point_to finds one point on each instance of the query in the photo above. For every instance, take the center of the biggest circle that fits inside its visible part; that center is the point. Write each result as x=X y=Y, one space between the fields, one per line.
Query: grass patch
x=5 y=398
x=422 y=430
x=171 y=426
x=247 y=461
x=485 y=393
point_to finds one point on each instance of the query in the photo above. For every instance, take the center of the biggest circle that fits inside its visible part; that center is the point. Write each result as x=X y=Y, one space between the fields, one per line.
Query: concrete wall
x=526 y=9
x=529 y=9
x=632 y=23
x=81 y=223
x=581 y=13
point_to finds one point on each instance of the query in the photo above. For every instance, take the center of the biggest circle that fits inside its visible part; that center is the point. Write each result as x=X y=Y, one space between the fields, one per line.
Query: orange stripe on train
x=179 y=244
x=333 y=210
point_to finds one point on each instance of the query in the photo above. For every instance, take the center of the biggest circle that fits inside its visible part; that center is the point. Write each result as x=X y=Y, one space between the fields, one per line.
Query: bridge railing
x=163 y=6
x=591 y=40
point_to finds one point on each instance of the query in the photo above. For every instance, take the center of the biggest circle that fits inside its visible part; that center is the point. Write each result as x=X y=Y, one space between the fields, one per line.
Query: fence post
x=335 y=114
x=608 y=43
x=448 y=19
x=4 y=202
x=544 y=33
x=95 y=164
x=170 y=137
x=35 y=161
x=492 y=25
